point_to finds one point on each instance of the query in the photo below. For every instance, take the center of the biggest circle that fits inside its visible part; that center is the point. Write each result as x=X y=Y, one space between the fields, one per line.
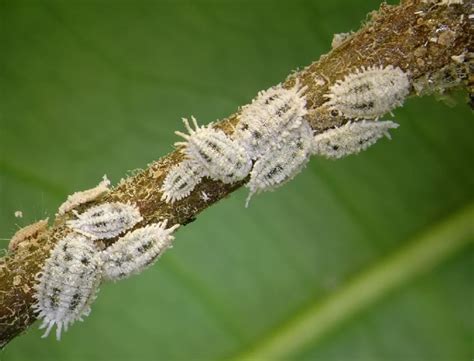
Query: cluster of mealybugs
x=369 y=93
x=70 y=278
x=272 y=141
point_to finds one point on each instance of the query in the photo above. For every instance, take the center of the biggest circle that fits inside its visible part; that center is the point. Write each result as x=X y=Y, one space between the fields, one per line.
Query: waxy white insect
x=369 y=92
x=27 y=232
x=181 y=180
x=444 y=2
x=137 y=250
x=106 y=220
x=270 y=114
x=68 y=283
x=350 y=138
x=285 y=160
x=339 y=38
x=78 y=198
x=221 y=158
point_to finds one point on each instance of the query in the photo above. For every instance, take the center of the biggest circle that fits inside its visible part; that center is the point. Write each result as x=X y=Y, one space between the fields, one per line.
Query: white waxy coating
x=68 y=283
x=272 y=112
x=218 y=155
x=285 y=160
x=82 y=197
x=181 y=180
x=106 y=220
x=137 y=250
x=369 y=93
x=350 y=138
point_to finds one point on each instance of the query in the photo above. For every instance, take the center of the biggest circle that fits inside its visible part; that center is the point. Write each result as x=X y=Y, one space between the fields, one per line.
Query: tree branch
x=430 y=41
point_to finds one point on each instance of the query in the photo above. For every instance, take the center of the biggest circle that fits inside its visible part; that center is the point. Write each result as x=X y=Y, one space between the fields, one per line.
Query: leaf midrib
x=422 y=253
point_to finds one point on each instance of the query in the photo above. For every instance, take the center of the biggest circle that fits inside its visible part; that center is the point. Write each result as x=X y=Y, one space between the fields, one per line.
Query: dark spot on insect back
x=362 y=88
x=274 y=171
x=368 y=105
x=145 y=247
x=76 y=298
x=55 y=297
x=205 y=156
x=100 y=224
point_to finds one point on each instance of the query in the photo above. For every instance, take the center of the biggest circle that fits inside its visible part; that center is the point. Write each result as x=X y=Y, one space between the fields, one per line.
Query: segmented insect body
x=181 y=180
x=137 y=250
x=339 y=38
x=220 y=157
x=82 y=197
x=350 y=138
x=444 y=2
x=369 y=92
x=107 y=220
x=272 y=112
x=68 y=283
x=27 y=232
x=286 y=159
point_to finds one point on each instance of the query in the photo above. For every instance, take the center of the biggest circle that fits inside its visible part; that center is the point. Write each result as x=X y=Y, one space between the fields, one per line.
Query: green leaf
x=365 y=258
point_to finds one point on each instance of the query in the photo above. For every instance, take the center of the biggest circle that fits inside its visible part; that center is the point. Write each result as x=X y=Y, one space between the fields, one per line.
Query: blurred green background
x=97 y=87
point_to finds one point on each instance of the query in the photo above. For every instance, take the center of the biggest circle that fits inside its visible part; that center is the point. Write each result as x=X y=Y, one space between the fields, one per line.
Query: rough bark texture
x=420 y=38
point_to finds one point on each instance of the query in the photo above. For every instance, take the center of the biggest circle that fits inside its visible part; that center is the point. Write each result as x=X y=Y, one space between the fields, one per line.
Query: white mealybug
x=137 y=250
x=350 y=138
x=181 y=180
x=286 y=159
x=369 y=93
x=220 y=157
x=338 y=39
x=68 y=283
x=444 y=2
x=106 y=220
x=270 y=113
x=82 y=197
x=27 y=232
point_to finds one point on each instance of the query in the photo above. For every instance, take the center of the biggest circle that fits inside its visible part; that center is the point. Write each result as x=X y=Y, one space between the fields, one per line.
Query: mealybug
x=350 y=138
x=106 y=220
x=79 y=198
x=444 y=2
x=27 y=232
x=181 y=180
x=270 y=113
x=68 y=283
x=220 y=157
x=283 y=162
x=369 y=93
x=339 y=38
x=137 y=250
